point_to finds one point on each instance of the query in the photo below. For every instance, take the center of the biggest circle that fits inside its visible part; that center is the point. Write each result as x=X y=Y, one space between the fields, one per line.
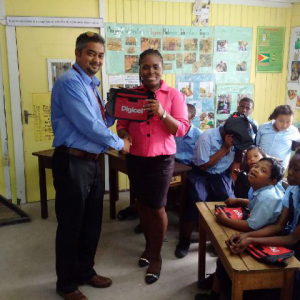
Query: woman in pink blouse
x=150 y=160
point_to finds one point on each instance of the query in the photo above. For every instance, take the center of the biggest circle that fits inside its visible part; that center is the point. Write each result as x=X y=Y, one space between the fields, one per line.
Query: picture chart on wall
x=185 y=49
x=199 y=90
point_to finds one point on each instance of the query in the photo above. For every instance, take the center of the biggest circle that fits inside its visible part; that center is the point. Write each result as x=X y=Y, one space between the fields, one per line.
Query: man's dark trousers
x=79 y=206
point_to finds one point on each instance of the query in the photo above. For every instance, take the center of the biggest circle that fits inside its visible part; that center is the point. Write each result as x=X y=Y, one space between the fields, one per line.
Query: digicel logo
x=132 y=110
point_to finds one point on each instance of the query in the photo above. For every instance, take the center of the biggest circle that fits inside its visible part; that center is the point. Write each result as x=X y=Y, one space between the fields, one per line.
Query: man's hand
x=126 y=147
x=228 y=143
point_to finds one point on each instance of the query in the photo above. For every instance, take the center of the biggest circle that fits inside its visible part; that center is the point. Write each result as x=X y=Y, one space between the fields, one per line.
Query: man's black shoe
x=206 y=283
x=127 y=213
x=182 y=249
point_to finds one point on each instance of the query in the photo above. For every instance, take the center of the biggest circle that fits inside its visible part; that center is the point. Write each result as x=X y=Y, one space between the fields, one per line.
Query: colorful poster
x=199 y=90
x=228 y=98
x=293 y=94
x=270 y=47
x=184 y=49
x=232 y=54
x=294 y=58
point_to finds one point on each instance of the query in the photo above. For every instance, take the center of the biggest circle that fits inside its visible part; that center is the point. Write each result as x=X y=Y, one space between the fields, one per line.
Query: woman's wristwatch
x=164 y=115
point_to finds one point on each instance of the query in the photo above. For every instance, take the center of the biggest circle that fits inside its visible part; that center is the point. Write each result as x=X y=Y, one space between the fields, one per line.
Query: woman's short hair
x=281 y=110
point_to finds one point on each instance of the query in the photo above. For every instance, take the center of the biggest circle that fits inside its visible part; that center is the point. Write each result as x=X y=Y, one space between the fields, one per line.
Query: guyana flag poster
x=270 y=47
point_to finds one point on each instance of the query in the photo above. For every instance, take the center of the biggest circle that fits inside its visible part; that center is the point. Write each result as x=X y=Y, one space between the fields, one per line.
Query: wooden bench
x=245 y=272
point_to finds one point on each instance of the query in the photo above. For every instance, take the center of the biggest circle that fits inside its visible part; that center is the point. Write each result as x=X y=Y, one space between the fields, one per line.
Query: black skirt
x=150 y=178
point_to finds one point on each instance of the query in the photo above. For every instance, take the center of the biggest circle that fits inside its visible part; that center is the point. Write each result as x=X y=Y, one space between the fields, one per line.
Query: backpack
x=240 y=127
x=128 y=104
x=270 y=254
x=232 y=212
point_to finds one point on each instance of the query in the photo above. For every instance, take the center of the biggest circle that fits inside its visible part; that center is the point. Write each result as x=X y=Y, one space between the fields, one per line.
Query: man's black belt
x=78 y=153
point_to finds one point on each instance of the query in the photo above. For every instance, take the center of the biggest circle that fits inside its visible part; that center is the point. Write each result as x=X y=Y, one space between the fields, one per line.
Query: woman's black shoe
x=151 y=277
x=143 y=262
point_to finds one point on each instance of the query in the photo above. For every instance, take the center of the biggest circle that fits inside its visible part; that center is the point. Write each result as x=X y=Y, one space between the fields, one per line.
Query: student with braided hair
x=150 y=161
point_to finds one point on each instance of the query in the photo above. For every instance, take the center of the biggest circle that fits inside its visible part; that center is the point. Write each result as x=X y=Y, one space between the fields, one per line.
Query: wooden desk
x=117 y=164
x=45 y=162
x=245 y=272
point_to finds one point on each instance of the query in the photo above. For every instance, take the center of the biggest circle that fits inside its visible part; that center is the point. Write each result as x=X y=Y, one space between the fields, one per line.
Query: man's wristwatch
x=164 y=115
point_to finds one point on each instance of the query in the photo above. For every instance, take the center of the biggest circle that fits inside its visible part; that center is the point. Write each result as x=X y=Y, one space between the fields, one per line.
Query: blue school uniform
x=265 y=206
x=214 y=184
x=277 y=143
x=185 y=145
x=292 y=195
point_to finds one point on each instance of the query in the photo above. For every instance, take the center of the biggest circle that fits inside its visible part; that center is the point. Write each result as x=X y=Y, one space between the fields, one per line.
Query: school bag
x=234 y=212
x=270 y=254
x=128 y=104
x=240 y=127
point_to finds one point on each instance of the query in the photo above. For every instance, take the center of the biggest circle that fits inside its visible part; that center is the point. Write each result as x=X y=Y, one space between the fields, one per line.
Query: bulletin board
x=199 y=90
x=185 y=49
x=232 y=54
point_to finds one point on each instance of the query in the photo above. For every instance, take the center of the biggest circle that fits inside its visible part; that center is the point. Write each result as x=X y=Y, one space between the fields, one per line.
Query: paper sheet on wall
x=184 y=49
x=232 y=54
x=227 y=99
x=270 y=46
x=293 y=94
x=199 y=90
x=42 y=119
x=294 y=58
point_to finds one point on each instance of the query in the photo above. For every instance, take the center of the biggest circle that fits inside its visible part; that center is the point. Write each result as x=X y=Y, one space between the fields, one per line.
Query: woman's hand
x=154 y=107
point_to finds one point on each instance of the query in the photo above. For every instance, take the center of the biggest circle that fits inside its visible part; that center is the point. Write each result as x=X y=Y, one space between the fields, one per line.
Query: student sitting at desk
x=210 y=178
x=288 y=222
x=265 y=206
x=185 y=145
x=265 y=201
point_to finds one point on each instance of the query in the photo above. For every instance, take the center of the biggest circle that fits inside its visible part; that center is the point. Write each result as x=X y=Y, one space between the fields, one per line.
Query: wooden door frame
x=15 y=95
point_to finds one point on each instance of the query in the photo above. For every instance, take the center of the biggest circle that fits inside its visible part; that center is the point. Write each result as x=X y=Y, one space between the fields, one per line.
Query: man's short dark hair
x=249 y=100
x=191 y=109
x=87 y=37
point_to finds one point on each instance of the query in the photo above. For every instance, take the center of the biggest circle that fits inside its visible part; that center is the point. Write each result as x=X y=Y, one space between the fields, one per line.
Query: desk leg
x=287 y=290
x=43 y=189
x=237 y=287
x=182 y=200
x=113 y=190
x=202 y=251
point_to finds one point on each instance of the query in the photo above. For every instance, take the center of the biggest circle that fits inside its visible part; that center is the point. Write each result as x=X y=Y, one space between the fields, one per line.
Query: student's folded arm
x=237 y=201
x=273 y=229
x=241 y=225
x=285 y=240
x=214 y=159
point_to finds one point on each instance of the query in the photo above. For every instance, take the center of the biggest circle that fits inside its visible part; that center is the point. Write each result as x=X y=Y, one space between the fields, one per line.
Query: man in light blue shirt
x=210 y=179
x=80 y=125
x=185 y=145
